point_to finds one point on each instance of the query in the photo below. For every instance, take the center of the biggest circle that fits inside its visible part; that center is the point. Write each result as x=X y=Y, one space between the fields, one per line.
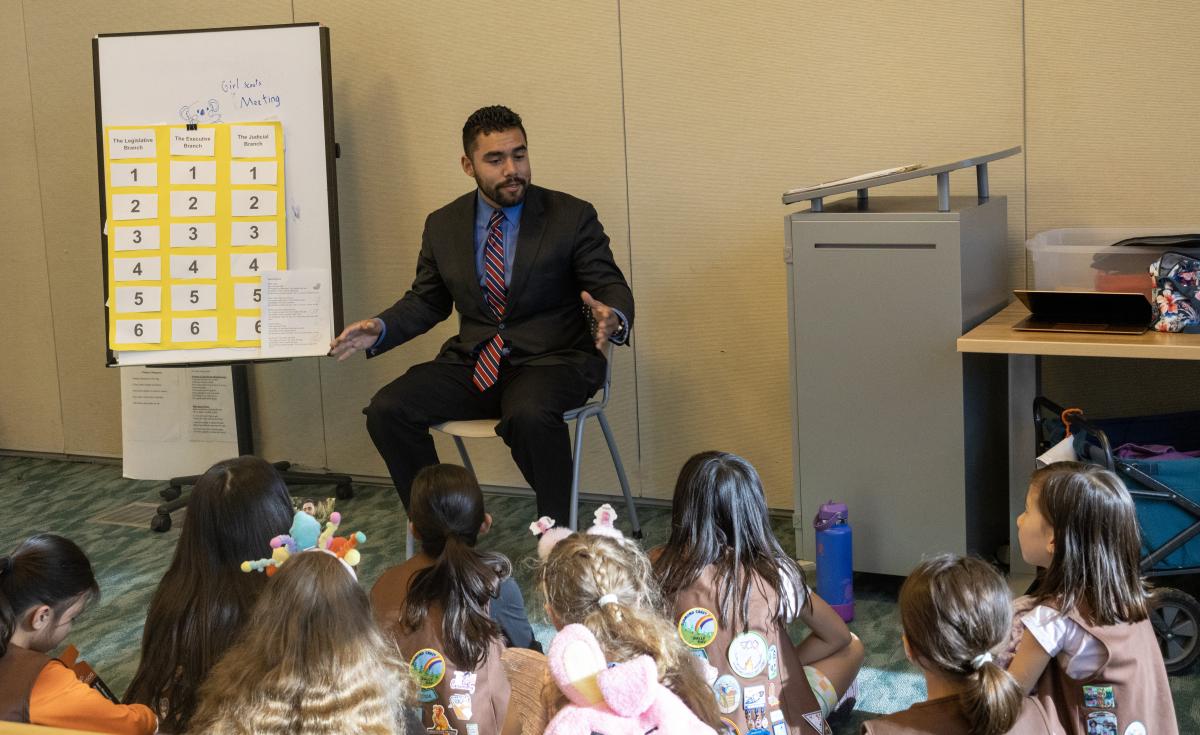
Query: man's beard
x=502 y=196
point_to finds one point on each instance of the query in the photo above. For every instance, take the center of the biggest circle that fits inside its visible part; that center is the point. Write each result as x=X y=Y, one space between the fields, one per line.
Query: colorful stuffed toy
x=306 y=535
x=621 y=699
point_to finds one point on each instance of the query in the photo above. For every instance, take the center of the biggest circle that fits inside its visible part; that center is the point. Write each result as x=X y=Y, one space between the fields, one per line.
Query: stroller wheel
x=1176 y=618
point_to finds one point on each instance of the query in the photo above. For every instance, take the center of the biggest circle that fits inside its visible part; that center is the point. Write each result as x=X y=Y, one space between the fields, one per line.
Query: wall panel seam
x=62 y=419
x=1025 y=144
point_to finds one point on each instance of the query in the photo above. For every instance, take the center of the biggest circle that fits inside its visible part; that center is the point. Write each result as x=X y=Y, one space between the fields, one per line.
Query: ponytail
x=462 y=581
x=992 y=700
x=446 y=510
x=955 y=611
x=44 y=570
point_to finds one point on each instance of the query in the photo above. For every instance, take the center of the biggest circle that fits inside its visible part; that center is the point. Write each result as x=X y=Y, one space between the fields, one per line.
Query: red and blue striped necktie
x=495 y=295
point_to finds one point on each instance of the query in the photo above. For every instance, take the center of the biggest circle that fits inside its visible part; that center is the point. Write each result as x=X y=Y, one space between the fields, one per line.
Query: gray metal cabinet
x=888 y=416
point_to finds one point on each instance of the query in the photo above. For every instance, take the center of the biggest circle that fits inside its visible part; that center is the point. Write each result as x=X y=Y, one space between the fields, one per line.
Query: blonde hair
x=310 y=660
x=955 y=612
x=582 y=569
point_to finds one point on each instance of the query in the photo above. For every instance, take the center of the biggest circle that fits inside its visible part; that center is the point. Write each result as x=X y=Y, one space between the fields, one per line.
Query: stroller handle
x=1075 y=423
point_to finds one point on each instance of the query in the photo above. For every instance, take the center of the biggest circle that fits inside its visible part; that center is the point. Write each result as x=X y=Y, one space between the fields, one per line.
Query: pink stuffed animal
x=623 y=699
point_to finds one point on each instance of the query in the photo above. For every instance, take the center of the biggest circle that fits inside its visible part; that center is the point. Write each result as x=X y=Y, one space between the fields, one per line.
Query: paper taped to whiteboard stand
x=297 y=309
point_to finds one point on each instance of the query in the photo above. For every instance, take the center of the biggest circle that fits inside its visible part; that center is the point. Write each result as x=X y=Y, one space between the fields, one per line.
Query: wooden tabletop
x=997 y=336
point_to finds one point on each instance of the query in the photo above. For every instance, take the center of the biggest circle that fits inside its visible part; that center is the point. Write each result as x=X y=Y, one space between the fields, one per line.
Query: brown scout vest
x=787 y=691
x=943 y=716
x=19 y=670
x=488 y=703
x=1130 y=688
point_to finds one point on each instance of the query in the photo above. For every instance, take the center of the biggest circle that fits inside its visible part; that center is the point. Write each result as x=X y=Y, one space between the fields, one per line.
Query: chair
x=480 y=428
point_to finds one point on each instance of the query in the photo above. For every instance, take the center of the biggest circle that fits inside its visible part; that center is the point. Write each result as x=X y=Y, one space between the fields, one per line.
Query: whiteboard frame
x=224 y=355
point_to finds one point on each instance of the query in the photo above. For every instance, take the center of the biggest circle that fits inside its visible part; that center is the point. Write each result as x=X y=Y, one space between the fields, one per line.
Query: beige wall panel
x=405 y=78
x=1113 y=134
x=31 y=415
x=60 y=62
x=727 y=108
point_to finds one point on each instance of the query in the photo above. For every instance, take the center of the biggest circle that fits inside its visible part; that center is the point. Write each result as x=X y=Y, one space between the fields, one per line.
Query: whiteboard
x=277 y=73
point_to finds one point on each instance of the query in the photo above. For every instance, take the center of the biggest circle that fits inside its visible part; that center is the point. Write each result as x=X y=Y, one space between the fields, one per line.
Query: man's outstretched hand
x=607 y=321
x=355 y=337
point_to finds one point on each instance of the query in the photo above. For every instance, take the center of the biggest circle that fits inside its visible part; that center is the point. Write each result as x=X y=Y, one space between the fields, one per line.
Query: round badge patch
x=729 y=694
x=1135 y=728
x=697 y=627
x=730 y=728
x=748 y=655
x=429 y=667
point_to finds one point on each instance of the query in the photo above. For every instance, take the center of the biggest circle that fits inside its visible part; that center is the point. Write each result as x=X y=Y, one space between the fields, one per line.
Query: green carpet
x=64 y=497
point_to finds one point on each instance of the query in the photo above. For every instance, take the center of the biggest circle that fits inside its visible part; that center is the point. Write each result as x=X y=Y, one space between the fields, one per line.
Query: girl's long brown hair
x=954 y=609
x=1097 y=544
x=310 y=660
x=719 y=517
x=579 y=571
x=204 y=598
x=446 y=511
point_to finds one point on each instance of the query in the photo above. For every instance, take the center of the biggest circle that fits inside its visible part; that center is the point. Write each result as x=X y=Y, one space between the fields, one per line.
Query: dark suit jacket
x=561 y=250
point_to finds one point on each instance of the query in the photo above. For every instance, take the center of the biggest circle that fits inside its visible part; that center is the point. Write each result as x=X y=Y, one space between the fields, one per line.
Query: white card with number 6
x=199 y=329
x=130 y=331
x=249 y=328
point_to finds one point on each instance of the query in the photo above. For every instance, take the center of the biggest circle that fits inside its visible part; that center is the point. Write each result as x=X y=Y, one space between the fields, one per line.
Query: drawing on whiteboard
x=201 y=112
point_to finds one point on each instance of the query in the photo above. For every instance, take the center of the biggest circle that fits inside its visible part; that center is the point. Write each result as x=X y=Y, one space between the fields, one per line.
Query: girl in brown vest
x=732 y=590
x=436 y=606
x=605 y=583
x=310 y=660
x=955 y=613
x=204 y=598
x=44 y=585
x=1088 y=646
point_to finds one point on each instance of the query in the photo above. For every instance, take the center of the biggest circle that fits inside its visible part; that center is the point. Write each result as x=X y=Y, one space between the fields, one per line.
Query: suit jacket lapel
x=463 y=247
x=529 y=243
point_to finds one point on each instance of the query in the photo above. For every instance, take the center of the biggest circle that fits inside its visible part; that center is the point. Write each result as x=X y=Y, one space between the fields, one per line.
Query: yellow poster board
x=195 y=214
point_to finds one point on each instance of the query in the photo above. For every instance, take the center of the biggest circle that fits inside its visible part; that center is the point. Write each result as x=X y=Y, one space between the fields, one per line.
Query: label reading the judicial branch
x=199 y=142
x=252 y=141
x=130 y=143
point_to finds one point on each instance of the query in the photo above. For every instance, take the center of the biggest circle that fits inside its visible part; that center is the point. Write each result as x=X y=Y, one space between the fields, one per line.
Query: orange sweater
x=59 y=699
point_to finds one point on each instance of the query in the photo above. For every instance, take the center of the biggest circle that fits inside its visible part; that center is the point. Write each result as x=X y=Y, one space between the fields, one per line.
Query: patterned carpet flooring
x=79 y=500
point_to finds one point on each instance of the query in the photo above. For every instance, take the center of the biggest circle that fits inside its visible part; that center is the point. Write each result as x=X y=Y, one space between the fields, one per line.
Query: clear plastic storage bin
x=1085 y=259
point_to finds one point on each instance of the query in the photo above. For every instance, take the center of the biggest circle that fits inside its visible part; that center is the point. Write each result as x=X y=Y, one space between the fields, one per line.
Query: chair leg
x=616 y=458
x=462 y=452
x=576 y=458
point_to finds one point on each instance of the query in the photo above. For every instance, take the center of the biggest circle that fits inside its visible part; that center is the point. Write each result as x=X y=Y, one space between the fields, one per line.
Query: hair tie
x=983 y=658
x=609 y=599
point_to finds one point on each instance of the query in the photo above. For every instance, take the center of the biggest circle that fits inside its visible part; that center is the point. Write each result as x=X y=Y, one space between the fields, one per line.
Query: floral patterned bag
x=1176 y=301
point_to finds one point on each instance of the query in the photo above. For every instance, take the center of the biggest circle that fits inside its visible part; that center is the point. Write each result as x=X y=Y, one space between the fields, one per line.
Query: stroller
x=1166 y=491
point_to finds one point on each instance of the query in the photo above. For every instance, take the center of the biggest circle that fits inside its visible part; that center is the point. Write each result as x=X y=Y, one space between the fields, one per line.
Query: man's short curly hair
x=492 y=119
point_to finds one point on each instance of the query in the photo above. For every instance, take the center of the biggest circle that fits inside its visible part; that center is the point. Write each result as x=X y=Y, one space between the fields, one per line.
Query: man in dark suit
x=525 y=267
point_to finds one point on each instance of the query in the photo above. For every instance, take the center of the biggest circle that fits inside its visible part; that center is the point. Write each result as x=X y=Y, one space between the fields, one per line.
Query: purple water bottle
x=835 y=558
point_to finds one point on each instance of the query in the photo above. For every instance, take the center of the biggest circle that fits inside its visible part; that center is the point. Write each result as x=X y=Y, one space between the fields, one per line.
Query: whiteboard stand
x=173 y=493
x=257 y=74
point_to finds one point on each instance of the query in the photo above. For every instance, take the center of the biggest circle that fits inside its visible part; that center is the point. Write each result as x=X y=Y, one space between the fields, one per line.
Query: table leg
x=1023 y=387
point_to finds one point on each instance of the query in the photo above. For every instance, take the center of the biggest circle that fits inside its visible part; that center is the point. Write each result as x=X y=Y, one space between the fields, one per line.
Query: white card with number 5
x=131 y=300
x=193 y=297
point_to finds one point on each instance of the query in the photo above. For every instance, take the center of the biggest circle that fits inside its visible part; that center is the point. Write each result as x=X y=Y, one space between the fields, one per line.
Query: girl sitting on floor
x=204 y=598
x=45 y=584
x=1088 y=645
x=310 y=660
x=733 y=591
x=955 y=614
